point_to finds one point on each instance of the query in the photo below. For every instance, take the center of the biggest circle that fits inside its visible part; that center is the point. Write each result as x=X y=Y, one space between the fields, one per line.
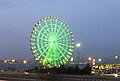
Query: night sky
x=94 y=23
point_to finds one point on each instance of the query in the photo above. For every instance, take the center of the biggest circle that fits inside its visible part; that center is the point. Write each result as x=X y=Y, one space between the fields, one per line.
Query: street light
x=24 y=61
x=116 y=59
x=78 y=49
x=5 y=61
x=78 y=44
x=13 y=60
x=93 y=63
x=93 y=60
x=116 y=56
x=99 y=59
x=71 y=59
x=90 y=61
x=89 y=58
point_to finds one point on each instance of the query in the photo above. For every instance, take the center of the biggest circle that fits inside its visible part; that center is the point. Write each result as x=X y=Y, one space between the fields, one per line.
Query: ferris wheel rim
x=70 y=36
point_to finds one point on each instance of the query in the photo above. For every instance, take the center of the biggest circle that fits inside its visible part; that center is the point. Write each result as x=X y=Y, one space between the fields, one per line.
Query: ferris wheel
x=52 y=42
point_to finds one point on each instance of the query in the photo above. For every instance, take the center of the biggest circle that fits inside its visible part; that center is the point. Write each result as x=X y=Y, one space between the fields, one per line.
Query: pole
x=78 y=55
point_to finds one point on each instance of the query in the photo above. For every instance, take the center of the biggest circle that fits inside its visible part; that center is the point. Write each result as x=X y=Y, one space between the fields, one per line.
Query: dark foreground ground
x=15 y=76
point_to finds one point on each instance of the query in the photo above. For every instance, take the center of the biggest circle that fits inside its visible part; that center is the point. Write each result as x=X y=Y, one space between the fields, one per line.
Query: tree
x=87 y=70
x=76 y=69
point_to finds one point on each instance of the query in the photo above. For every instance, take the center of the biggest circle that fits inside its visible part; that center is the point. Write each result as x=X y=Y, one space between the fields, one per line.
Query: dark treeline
x=65 y=70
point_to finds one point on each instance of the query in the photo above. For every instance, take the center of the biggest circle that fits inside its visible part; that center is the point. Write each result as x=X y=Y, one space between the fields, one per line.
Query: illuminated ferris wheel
x=52 y=42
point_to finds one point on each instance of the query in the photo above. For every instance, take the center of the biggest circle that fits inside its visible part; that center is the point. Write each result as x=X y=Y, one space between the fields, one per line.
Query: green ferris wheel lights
x=52 y=42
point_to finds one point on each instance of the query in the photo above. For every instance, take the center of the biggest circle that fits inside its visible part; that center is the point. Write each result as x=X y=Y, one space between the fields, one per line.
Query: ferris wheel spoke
x=45 y=32
x=55 y=27
x=42 y=39
x=63 y=44
x=63 y=49
x=63 y=36
x=60 y=53
x=65 y=41
x=58 y=31
x=61 y=32
x=43 y=42
x=51 y=26
x=48 y=29
x=42 y=47
x=56 y=55
x=44 y=36
x=48 y=55
x=42 y=29
x=42 y=53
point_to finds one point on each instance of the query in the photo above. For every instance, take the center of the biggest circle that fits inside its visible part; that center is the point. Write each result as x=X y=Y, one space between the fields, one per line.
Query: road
x=14 y=76
x=15 y=79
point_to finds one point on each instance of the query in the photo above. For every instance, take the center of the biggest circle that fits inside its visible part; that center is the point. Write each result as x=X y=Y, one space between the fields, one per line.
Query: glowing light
x=72 y=59
x=5 y=61
x=116 y=75
x=52 y=41
x=99 y=60
x=89 y=58
x=116 y=57
x=93 y=63
x=78 y=44
x=13 y=60
x=94 y=60
x=24 y=61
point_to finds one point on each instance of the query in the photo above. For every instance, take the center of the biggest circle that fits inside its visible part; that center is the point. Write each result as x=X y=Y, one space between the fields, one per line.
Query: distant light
x=93 y=66
x=26 y=73
x=44 y=67
x=78 y=44
x=13 y=60
x=116 y=57
x=99 y=60
x=89 y=58
x=93 y=63
x=93 y=60
x=116 y=75
x=25 y=62
x=5 y=61
x=92 y=72
x=72 y=59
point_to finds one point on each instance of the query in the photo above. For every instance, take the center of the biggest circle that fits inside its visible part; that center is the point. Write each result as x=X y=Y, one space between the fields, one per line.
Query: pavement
x=16 y=76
